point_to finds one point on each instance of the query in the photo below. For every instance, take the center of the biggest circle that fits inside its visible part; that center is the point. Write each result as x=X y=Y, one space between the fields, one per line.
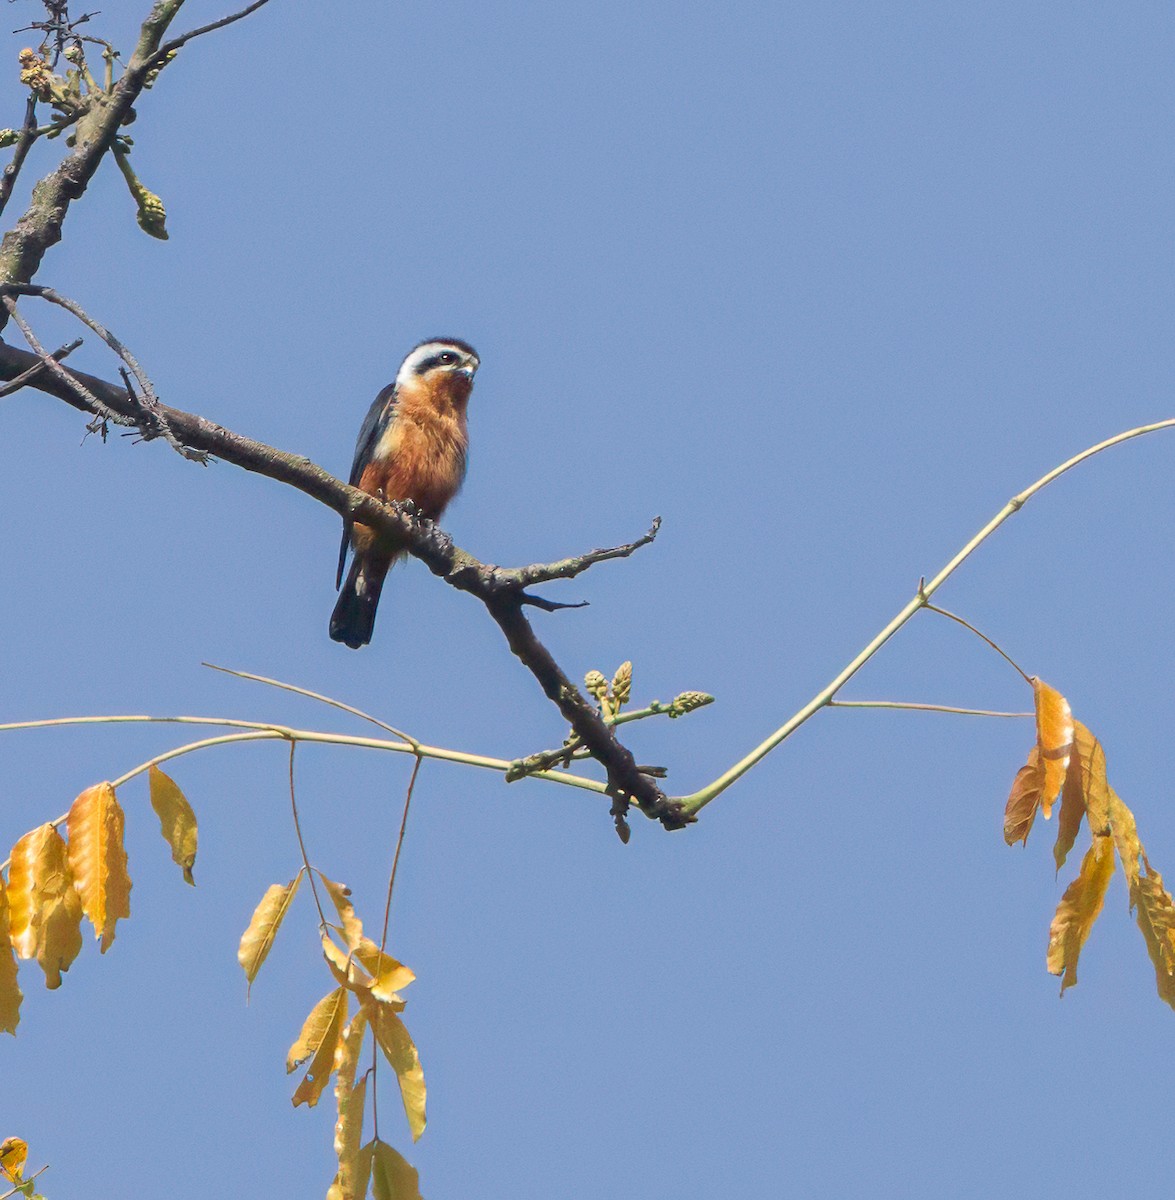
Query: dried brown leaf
x=1054 y=737
x=97 y=858
x=10 y=995
x=321 y=1035
x=400 y=1051
x=392 y=1176
x=1024 y=799
x=1080 y=906
x=177 y=821
x=257 y=940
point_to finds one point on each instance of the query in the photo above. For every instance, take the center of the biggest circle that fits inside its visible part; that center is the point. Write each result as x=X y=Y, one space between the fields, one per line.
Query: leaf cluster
x=366 y=999
x=1068 y=763
x=55 y=881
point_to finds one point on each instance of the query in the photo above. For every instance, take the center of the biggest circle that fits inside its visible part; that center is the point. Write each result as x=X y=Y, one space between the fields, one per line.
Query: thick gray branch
x=501 y=590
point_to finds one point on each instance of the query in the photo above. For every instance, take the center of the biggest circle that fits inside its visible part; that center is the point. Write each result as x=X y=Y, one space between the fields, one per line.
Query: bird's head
x=445 y=363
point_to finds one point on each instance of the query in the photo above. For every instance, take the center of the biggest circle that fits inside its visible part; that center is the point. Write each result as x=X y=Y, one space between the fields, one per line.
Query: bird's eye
x=446 y=357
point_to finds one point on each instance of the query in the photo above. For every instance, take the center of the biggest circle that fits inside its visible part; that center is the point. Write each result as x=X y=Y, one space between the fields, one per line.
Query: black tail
x=354 y=615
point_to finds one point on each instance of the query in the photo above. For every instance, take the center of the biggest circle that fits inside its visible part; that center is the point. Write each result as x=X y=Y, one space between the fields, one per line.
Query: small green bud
x=8 y=137
x=688 y=701
x=74 y=53
x=596 y=684
x=622 y=684
x=152 y=214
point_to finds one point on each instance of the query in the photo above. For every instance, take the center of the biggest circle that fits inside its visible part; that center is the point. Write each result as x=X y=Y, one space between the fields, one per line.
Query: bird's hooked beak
x=469 y=369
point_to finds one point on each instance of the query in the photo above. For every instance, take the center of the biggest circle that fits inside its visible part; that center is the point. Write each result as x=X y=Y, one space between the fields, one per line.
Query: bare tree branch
x=41 y=365
x=172 y=46
x=28 y=135
x=501 y=590
x=24 y=245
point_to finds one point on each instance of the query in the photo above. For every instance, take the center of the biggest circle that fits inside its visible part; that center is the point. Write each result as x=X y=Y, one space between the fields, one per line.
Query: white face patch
x=421 y=354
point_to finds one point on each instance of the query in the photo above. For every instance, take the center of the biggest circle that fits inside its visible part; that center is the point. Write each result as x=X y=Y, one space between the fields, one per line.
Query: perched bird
x=411 y=447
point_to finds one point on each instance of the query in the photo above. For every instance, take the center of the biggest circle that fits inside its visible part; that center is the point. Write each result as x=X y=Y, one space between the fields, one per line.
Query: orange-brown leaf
x=321 y=1036
x=1054 y=737
x=1156 y=919
x=392 y=1176
x=257 y=940
x=10 y=996
x=1024 y=799
x=22 y=894
x=44 y=908
x=60 y=938
x=97 y=859
x=1085 y=793
x=177 y=821
x=1080 y=906
x=400 y=1051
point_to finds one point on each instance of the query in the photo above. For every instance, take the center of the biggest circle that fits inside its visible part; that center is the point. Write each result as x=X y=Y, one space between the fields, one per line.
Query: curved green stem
x=698 y=800
x=940 y=708
x=263 y=731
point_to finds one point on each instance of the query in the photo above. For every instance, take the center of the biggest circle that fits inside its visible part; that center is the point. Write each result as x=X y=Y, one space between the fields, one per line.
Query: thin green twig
x=302 y=844
x=301 y=691
x=941 y=708
x=698 y=800
x=262 y=731
x=943 y=612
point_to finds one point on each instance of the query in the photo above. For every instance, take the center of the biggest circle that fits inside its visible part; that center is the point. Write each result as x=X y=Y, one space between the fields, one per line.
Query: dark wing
x=369 y=432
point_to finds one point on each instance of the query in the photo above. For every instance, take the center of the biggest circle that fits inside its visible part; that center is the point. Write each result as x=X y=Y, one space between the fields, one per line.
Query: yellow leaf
x=350 y=1180
x=177 y=821
x=1024 y=799
x=321 y=1035
x=392 y=1176
x=1080 y=906
x=257 y=940
x=345 y=966
x=359 y=1180
x=400 y=1051
x=97 y=859
x=1125 y=839
x=388 y=975
x=10 y=996
x=44 y=909
x=340 y=894
x=1054 y=737
x=1156 y=919
x=13 y=1152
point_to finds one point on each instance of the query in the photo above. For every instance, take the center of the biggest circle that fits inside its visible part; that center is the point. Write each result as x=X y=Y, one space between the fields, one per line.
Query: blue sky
x=822 y=285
